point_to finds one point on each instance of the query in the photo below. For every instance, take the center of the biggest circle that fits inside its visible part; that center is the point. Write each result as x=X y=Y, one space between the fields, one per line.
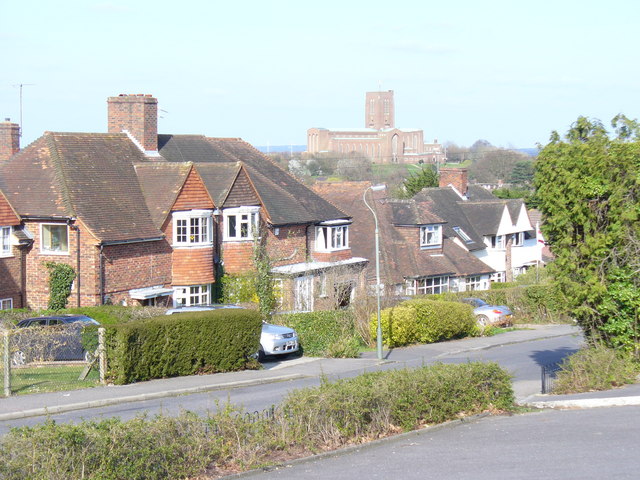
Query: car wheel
x=483 y=320
x=261 y=355
x=18 y=359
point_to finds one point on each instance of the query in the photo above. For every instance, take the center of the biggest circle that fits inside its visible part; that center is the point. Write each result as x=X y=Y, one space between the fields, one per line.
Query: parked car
x=62 y=341
x=489 y=314
x=275 y=340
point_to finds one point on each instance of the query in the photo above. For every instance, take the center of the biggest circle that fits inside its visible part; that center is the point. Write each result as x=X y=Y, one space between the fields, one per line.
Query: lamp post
x=376 y=188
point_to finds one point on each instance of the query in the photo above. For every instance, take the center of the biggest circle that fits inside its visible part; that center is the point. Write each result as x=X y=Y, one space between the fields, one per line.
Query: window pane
x=231 y=224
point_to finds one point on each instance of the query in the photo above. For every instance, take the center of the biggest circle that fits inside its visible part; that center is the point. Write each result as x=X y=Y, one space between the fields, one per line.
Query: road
x=523 y=359
x=586 y=444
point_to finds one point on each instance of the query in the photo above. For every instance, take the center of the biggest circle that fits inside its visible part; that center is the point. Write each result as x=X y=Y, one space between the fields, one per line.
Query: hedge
x=325 y=333
x=422 y=320
x=182 y=344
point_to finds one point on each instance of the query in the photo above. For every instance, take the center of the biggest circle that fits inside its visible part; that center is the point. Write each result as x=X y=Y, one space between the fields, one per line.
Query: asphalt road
x=598 y=443
x=523 y=360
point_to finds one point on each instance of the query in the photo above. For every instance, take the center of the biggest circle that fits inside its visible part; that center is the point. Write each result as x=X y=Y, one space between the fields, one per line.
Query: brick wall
x=192 y=266
x=9 y=139
x=138 y=114
x=237 y=257
x=456 y=177
x=289 y=246
x=11 y=282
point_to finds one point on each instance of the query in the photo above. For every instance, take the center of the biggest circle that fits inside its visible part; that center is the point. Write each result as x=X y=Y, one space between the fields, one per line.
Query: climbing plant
x=61 y=278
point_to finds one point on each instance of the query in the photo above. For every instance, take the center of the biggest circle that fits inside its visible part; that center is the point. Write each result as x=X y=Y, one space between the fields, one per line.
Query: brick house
x=154 y=219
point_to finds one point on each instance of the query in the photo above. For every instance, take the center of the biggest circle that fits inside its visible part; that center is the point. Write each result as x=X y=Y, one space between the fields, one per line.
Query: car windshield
x=476 y=302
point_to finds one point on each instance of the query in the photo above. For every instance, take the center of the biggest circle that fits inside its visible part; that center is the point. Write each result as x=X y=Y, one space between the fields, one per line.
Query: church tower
x=379 y=110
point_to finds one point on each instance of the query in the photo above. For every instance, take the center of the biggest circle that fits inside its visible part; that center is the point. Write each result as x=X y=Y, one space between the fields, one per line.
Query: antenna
x=22 y=85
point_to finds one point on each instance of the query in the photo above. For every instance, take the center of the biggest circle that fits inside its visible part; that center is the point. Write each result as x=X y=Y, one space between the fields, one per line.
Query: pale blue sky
x=509 y=72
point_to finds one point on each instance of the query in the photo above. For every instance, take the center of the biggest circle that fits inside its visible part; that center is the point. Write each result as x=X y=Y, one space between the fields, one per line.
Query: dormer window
x=241 y=223
x=430 y=236
x=332 y=238
x=461 y=233
x=192 y=228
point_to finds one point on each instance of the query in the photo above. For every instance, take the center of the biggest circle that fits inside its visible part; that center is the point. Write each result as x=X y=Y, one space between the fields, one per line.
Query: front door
x=303 y=294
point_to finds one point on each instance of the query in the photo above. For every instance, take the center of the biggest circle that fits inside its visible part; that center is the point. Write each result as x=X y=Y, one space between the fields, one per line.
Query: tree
x=522 y=173
x=425 y=178
x=588 y=186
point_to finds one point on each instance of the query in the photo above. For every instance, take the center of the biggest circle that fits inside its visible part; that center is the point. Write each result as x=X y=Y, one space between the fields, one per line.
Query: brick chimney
x=138 y=115
x=9 y=139
x=457 y=177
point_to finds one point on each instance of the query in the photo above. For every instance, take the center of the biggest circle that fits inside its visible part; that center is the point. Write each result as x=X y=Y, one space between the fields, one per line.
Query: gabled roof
x=85 y=175
x=400 y=258
x=446 y=204
x=218 y=178
x=285 y=199
x=8 y=216
x=161 y=184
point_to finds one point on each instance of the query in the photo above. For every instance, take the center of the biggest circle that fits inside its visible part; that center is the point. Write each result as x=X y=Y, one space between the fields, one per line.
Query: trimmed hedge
x=182 y=344
x=422 y=320
x=325 y=333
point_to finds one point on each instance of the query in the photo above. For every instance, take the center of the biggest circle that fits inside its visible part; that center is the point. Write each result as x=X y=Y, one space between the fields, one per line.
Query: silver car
x=274 y=339
x=489 y=314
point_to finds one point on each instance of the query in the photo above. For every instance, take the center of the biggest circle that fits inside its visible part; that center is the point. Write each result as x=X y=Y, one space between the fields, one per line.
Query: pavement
x=23 y=406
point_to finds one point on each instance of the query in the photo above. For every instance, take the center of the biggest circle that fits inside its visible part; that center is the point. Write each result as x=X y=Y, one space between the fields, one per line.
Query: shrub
x=182 y=344
x=325 y=333
x=424 y=320
x=595 y=368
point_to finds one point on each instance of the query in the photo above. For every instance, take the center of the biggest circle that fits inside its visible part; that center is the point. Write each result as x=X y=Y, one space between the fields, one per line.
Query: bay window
x=192 y=228
x=192 y=295
x=5 y=241
x=331 y=238
x=241 y=223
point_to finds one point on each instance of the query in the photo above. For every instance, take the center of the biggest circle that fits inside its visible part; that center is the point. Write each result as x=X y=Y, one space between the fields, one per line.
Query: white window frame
x=499 y=277
x=474 y=282
x=517 y=239
x=49 y=251
x=462 y=234
x=191 y=295
x=6 y=303
x=246 y=221
x=332 y=238
x=5 y=241
x=498 y=242
x=193 y=228
x=427 y=285
x=430 y=236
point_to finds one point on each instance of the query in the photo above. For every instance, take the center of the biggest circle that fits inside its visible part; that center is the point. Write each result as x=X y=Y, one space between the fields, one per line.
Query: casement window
x=462 y=234
x=517 y=239
x=5 y=241
x=430 y=236
x=6 y=303
x=329 y=239
x=474 y=283
x=241 y=223
x=192 y=295
x=192 y=228
x=427 y=286
x=54 y=239
x=498 y=242
x=498 y=277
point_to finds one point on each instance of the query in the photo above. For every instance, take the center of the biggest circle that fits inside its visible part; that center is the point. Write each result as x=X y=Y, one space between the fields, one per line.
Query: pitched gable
x=242 y=192
x=8 y=216
x=161 y=183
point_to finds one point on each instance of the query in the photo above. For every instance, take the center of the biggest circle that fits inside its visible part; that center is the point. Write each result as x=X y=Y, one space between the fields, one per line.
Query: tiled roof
x=285 y=199
x=399 y=258
x=85 y=175
x=161 y=183
x=218 y=178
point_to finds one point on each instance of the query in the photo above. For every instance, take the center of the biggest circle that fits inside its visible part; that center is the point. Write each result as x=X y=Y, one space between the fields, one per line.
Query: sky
x=509 y=72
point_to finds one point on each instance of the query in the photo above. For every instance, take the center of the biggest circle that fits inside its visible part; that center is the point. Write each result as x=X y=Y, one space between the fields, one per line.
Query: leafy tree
x=425 y=178
x=588 y=186
x=522 y=173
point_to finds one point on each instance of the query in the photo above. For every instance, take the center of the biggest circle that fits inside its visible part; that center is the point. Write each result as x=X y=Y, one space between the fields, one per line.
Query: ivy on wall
x=61 y=278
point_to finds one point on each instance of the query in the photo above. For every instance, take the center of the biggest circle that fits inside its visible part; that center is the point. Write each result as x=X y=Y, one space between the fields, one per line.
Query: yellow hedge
x=424 y=321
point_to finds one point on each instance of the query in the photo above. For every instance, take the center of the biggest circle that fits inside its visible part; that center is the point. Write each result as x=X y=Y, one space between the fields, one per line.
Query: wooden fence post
x=6 y=362
x=102 y=356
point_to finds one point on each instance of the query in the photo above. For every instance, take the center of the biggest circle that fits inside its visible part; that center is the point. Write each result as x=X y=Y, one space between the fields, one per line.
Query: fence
x=48 y=359
x=548 y=375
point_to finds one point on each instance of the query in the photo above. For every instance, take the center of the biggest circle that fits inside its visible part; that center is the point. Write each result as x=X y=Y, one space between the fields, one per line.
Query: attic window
x=461 y=233
x=430 y=236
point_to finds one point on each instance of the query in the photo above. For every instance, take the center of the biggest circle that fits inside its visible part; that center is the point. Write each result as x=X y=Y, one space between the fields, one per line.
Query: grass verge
x=49 y=378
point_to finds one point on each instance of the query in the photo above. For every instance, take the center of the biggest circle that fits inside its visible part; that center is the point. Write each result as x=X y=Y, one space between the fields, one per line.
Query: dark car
x=50 y=338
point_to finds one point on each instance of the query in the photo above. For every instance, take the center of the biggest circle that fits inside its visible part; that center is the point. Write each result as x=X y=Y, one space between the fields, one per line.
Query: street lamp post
x=376 y=188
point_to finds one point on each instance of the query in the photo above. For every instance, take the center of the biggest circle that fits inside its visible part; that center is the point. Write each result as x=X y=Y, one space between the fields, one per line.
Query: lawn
x=49 y=378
